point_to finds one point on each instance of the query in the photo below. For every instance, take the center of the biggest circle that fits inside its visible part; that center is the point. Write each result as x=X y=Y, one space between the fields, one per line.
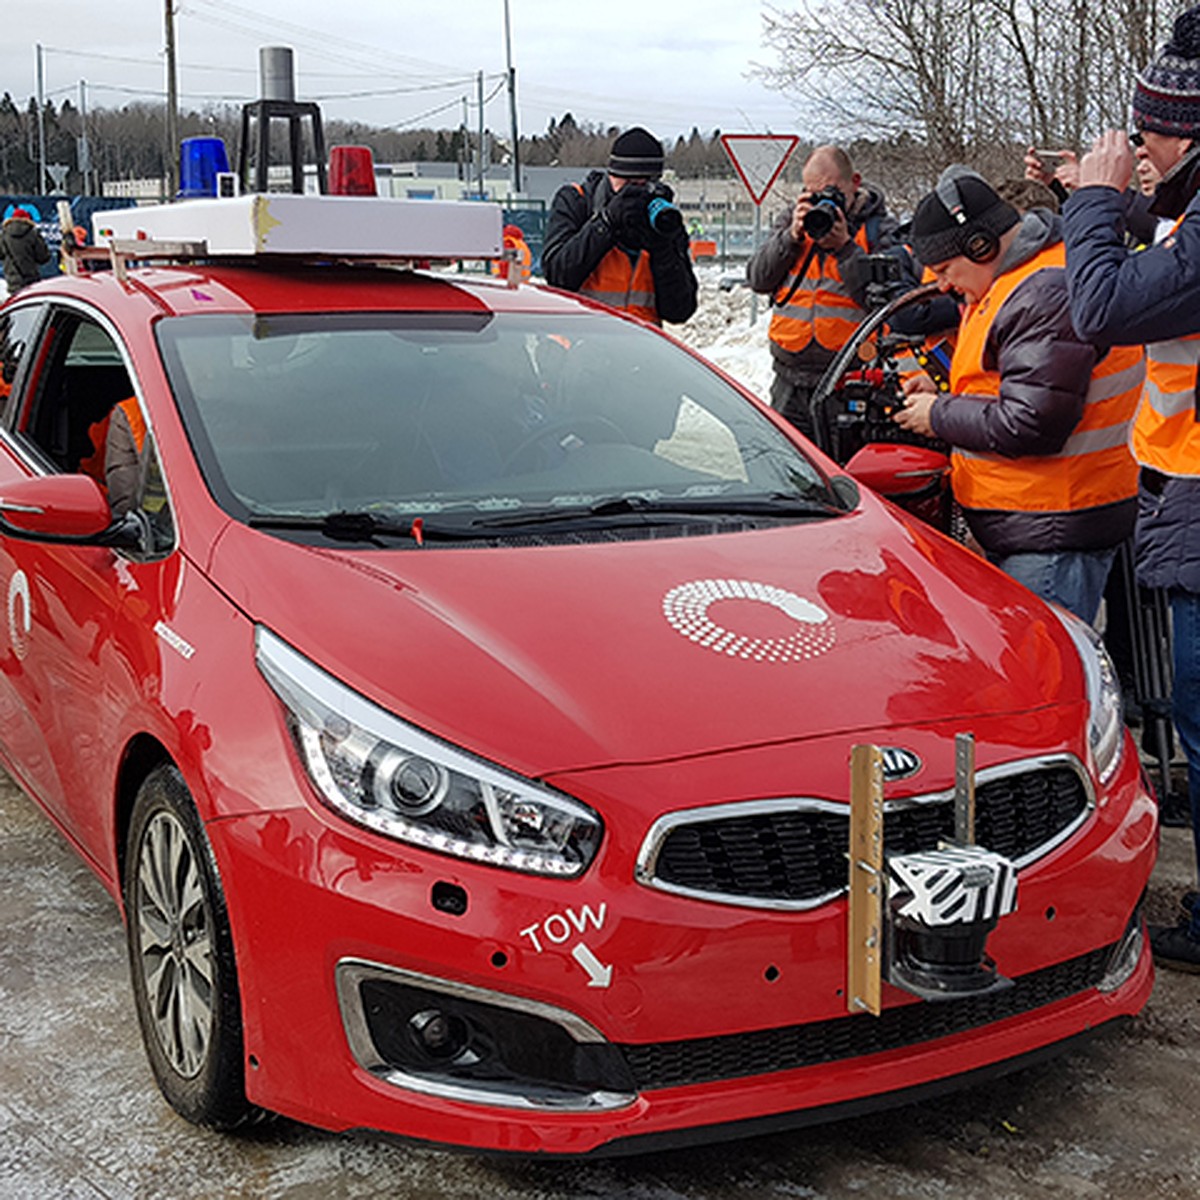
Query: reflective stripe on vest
x=619 y=285
x=1166 y=434
x=820 y=307
x=1094 y=466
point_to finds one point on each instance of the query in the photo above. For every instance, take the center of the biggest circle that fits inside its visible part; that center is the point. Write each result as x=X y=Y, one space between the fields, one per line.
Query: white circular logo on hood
x=686 y=608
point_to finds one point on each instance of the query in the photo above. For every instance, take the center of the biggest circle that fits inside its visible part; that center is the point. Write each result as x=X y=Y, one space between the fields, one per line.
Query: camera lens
x=665 y=218
x=818 y=221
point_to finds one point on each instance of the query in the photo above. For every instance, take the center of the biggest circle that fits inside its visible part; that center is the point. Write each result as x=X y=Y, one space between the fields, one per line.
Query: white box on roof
x=284 y=223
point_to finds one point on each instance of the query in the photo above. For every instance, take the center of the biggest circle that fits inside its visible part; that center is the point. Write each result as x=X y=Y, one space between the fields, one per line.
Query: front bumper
x=632 y=1016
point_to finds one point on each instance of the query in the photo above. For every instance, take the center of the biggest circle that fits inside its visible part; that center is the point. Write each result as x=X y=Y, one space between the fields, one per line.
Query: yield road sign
x=758 y=158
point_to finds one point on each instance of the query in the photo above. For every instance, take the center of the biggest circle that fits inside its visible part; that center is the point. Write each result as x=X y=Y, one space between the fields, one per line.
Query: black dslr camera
x=665 y=219
x=826 y=204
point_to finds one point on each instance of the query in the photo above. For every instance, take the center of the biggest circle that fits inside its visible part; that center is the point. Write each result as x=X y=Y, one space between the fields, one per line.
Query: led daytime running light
x=357 y=755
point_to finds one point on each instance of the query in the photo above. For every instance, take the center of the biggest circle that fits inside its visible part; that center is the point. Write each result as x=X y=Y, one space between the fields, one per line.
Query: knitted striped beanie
x=1166 y=96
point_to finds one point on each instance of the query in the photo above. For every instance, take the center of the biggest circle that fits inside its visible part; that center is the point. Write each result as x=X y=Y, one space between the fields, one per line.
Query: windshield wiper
x=346 y=526
x=364 y=526
x=643 y=509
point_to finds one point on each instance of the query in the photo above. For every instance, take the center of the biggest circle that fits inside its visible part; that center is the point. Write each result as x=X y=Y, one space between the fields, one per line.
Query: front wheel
x=181 y=957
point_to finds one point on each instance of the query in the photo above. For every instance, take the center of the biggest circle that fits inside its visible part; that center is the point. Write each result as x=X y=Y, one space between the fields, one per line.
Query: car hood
x=564 y=657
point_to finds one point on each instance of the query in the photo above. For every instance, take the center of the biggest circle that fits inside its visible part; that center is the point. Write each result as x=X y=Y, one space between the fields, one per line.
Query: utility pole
x=41 y=123
x=172 y=103
x=482 y=165
x=512 y=105
x=464 y=151
x=85 y=156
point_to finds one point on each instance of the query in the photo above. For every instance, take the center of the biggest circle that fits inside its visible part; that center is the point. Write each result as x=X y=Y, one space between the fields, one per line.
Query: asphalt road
x=80 y=1116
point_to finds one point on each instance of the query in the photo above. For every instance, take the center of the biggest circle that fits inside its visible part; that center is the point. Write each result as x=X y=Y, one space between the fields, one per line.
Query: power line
x=320 y=41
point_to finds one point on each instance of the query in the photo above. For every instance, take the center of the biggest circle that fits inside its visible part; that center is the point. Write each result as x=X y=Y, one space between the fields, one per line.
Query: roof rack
x=317 y=229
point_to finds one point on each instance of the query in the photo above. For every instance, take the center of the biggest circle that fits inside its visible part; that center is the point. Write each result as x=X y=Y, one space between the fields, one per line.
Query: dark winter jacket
x=1045 y=370
x=579 y=235
x=23 y=250
x=774 y=259
x=1125 y=298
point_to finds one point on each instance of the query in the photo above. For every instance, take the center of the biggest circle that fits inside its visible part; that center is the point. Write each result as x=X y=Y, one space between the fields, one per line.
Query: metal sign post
x=758 y=159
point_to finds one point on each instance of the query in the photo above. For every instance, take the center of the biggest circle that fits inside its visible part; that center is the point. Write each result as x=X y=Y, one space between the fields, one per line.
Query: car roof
x=290 y=287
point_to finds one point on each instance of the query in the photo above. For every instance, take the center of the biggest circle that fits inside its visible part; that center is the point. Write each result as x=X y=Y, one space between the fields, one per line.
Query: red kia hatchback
x=456 y=689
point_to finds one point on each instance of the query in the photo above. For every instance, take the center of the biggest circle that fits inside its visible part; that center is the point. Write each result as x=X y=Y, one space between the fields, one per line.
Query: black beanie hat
x=636 y=154
x=1166 y=96
x=939 y=234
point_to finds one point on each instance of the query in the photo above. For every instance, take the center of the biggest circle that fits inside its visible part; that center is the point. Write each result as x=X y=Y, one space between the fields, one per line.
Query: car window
x=17 y=327
x=82 y=415
x=424 y=414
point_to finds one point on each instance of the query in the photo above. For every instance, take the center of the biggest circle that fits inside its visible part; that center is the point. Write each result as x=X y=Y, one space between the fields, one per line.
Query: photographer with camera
x=618 y=238
x=811 y=266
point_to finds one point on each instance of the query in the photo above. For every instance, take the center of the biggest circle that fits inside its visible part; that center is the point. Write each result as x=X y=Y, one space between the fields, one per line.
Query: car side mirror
x=69 y=510
x=895 y=469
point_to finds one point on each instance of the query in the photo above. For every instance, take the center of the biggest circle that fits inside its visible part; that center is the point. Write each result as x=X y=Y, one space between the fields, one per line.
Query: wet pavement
x=80 y=1116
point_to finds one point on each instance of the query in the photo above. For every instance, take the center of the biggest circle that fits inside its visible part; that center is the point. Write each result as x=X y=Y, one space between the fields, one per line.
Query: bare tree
x=971 y=81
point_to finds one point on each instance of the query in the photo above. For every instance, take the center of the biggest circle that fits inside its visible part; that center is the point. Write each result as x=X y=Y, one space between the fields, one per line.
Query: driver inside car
x=115 y=464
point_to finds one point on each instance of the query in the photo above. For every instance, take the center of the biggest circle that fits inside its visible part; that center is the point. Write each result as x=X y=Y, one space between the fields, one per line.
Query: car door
x=22 y=741
x=77 y=676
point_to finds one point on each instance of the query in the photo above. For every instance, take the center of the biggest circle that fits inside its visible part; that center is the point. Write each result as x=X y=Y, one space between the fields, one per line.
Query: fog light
x=438 y=1034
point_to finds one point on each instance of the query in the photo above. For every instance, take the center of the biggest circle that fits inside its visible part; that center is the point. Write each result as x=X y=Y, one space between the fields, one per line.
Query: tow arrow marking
x=598 y=974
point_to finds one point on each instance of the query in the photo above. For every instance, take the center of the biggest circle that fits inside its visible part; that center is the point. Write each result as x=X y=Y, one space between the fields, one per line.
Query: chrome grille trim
x=645 y=867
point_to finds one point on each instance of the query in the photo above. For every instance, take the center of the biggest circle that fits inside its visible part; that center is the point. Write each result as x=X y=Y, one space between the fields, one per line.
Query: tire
x=181 y=959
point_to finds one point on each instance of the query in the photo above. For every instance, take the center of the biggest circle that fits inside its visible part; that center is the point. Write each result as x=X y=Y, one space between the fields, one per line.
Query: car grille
x=738 y=1055
x=794 y=852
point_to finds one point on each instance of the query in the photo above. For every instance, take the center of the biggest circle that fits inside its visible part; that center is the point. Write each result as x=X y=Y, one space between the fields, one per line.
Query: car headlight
x=389 y=776
x=1106 y=725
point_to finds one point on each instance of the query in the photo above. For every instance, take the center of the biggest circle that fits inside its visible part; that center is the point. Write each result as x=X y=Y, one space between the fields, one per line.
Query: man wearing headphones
x=1037 y=418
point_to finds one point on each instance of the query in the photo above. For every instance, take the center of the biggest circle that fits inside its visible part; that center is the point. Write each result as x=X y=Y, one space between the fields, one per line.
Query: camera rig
x=853 y=405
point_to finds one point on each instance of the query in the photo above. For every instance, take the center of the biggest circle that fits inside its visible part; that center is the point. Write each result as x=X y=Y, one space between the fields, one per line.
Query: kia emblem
x=899 y=763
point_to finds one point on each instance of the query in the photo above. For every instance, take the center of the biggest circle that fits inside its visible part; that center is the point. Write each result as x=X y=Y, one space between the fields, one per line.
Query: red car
x=456 y=688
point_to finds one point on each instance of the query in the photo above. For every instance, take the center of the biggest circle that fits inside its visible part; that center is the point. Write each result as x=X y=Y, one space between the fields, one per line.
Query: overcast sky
x=669 y=64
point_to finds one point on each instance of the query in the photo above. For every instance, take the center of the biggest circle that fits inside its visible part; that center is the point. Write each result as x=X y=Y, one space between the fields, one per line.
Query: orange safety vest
x=620 y=284
x=1166 y=432
x=93 y=465
x=820 y=307
x=1094 y=467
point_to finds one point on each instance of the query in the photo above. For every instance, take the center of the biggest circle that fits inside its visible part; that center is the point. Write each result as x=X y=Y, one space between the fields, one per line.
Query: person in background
x=1062 y=179
x=1152 y=296
x=23 y=250
x=1024 y=194
x=1036 y=416
x=1057 y=170
x=521 y=262
x=617 y=237
x=811 y=265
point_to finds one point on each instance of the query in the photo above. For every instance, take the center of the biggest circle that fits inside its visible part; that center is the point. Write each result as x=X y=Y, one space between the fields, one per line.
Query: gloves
x=625 y=214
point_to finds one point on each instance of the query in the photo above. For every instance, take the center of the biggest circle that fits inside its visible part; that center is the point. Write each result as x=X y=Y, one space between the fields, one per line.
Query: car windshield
x=470 y=418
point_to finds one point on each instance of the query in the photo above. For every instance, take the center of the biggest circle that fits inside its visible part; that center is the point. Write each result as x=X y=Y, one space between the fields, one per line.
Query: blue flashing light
x=201 y=159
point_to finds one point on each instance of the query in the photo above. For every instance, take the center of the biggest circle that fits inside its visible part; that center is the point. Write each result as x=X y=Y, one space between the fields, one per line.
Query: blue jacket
x=1125 y=298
